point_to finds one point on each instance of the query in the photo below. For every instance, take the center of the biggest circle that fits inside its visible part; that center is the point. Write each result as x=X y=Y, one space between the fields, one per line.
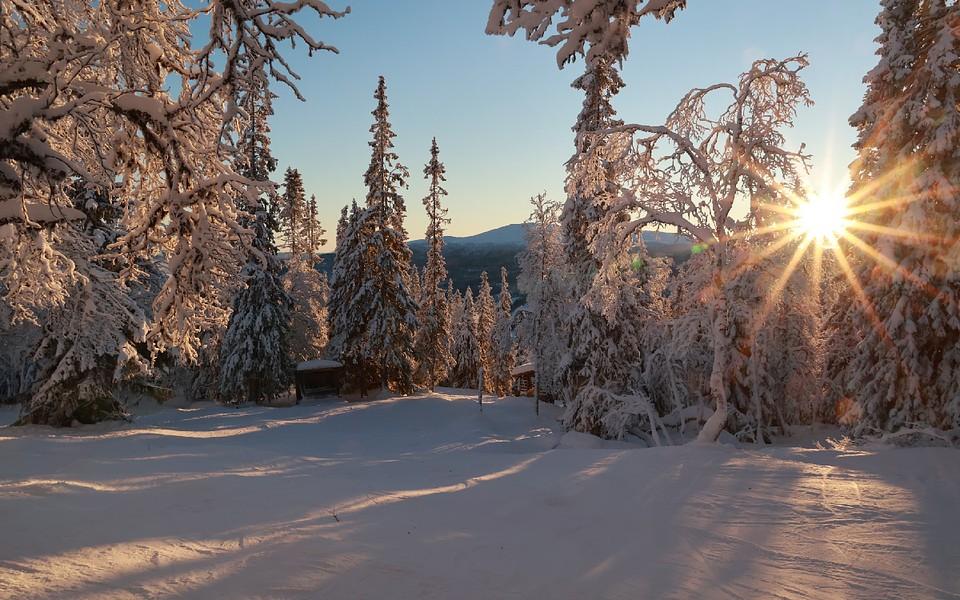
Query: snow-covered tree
x=254 y=354
x=486 y=309
x=415 y=285
x=504 y=347
x=602 y=322
x=688 y=174
x=541 y=279
x=393 y=318
x=313 y=231
x=350 y=299
x=97 y=338
x=596 y=28
x=309 y=290
x=465 y=348
x=85 y=92
x=433 y=334
x=294 y=213
x=254 y=359
x=906 y=369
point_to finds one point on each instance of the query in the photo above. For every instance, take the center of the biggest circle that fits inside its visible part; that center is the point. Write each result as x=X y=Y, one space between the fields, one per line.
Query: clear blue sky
x=502 y=111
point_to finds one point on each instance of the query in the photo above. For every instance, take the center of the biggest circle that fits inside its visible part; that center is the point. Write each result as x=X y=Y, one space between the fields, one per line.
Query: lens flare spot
x=822 y=217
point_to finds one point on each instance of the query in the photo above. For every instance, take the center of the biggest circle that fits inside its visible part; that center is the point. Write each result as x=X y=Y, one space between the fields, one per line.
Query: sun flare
x=822 y=218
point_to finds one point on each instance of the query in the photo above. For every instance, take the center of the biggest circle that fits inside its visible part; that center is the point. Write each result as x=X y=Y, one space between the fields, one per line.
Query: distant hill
x=469 y=256
x=508 y=235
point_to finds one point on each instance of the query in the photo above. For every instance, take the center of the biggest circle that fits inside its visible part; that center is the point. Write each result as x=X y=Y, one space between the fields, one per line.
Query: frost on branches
x=97 y=338
x=906 y=370
x=688 y=173
x=599 y=28
x=85 y=92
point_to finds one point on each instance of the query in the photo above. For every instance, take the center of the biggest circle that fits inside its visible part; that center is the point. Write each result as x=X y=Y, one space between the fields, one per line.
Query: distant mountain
x=659 y=243
x=467 y=257
x=508 y=235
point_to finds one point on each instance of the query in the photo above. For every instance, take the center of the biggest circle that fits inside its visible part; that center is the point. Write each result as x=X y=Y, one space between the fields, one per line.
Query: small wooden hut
x=523 y=379
x=318 y=378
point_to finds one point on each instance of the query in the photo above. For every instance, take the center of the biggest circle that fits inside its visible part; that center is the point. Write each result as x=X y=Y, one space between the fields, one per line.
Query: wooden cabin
x=523 y=379
x=318 y=378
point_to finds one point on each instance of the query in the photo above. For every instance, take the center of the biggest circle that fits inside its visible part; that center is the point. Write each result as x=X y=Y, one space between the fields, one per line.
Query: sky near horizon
x=501 y=110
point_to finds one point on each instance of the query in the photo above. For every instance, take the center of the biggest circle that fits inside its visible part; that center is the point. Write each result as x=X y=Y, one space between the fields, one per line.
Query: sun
x=822 y=218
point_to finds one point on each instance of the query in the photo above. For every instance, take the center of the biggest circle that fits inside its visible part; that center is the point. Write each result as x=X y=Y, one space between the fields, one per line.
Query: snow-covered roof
x=40 y=213
x=318 y=363
x=523 y=369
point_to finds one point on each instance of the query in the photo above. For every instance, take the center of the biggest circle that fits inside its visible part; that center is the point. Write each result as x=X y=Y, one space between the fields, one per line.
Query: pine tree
x=415 y=285
x=294 y=212
x=486 y=319
x=465 y=349
x=349 y=300
x=253 y=362
x=504 y=348
x=313 y=232
x=906 y=370
x=254 y=356
x=393 y=318
x=603 y=320
x=339 y=293
x=309 y=289
x=433 y=335
x=542 y=273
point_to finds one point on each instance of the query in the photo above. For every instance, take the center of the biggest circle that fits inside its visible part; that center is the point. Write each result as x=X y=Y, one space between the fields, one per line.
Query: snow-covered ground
x=427 y=498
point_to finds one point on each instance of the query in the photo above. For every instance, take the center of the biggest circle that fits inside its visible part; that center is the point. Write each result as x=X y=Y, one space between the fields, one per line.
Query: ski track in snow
x=425 y=498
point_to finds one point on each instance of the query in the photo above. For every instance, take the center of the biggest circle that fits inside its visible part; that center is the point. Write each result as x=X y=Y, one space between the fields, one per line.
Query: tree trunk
x=718 y=388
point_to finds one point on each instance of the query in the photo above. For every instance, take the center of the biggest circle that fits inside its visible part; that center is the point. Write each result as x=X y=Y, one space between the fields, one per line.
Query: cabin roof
x=523 y=369
x=319 y=364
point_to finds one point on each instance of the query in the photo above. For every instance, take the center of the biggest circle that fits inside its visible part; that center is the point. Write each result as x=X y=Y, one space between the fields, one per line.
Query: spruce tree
x=309 y=289
x=393 y=318
x=433 y=335
x=541 y=277
x=313 y=232
x=350 y=300
x=254 y=357
x=906 y=371
x=503 y=345
x=338 y=296
x=254 y=362
x=294 y=212
x=486 y=309
x=466 y=348
x=601 y=332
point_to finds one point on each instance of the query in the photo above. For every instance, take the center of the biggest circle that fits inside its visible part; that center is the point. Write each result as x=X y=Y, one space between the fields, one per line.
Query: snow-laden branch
x=598 y=29
x=118 y=94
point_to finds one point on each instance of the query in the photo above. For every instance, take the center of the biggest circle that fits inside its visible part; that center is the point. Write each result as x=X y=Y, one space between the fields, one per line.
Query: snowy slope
x=426 y=498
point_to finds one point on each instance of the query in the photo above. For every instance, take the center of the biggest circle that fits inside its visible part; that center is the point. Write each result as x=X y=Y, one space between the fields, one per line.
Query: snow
x=522 y=369
x=318 y=363
x=10 y=210
x=425 y=497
